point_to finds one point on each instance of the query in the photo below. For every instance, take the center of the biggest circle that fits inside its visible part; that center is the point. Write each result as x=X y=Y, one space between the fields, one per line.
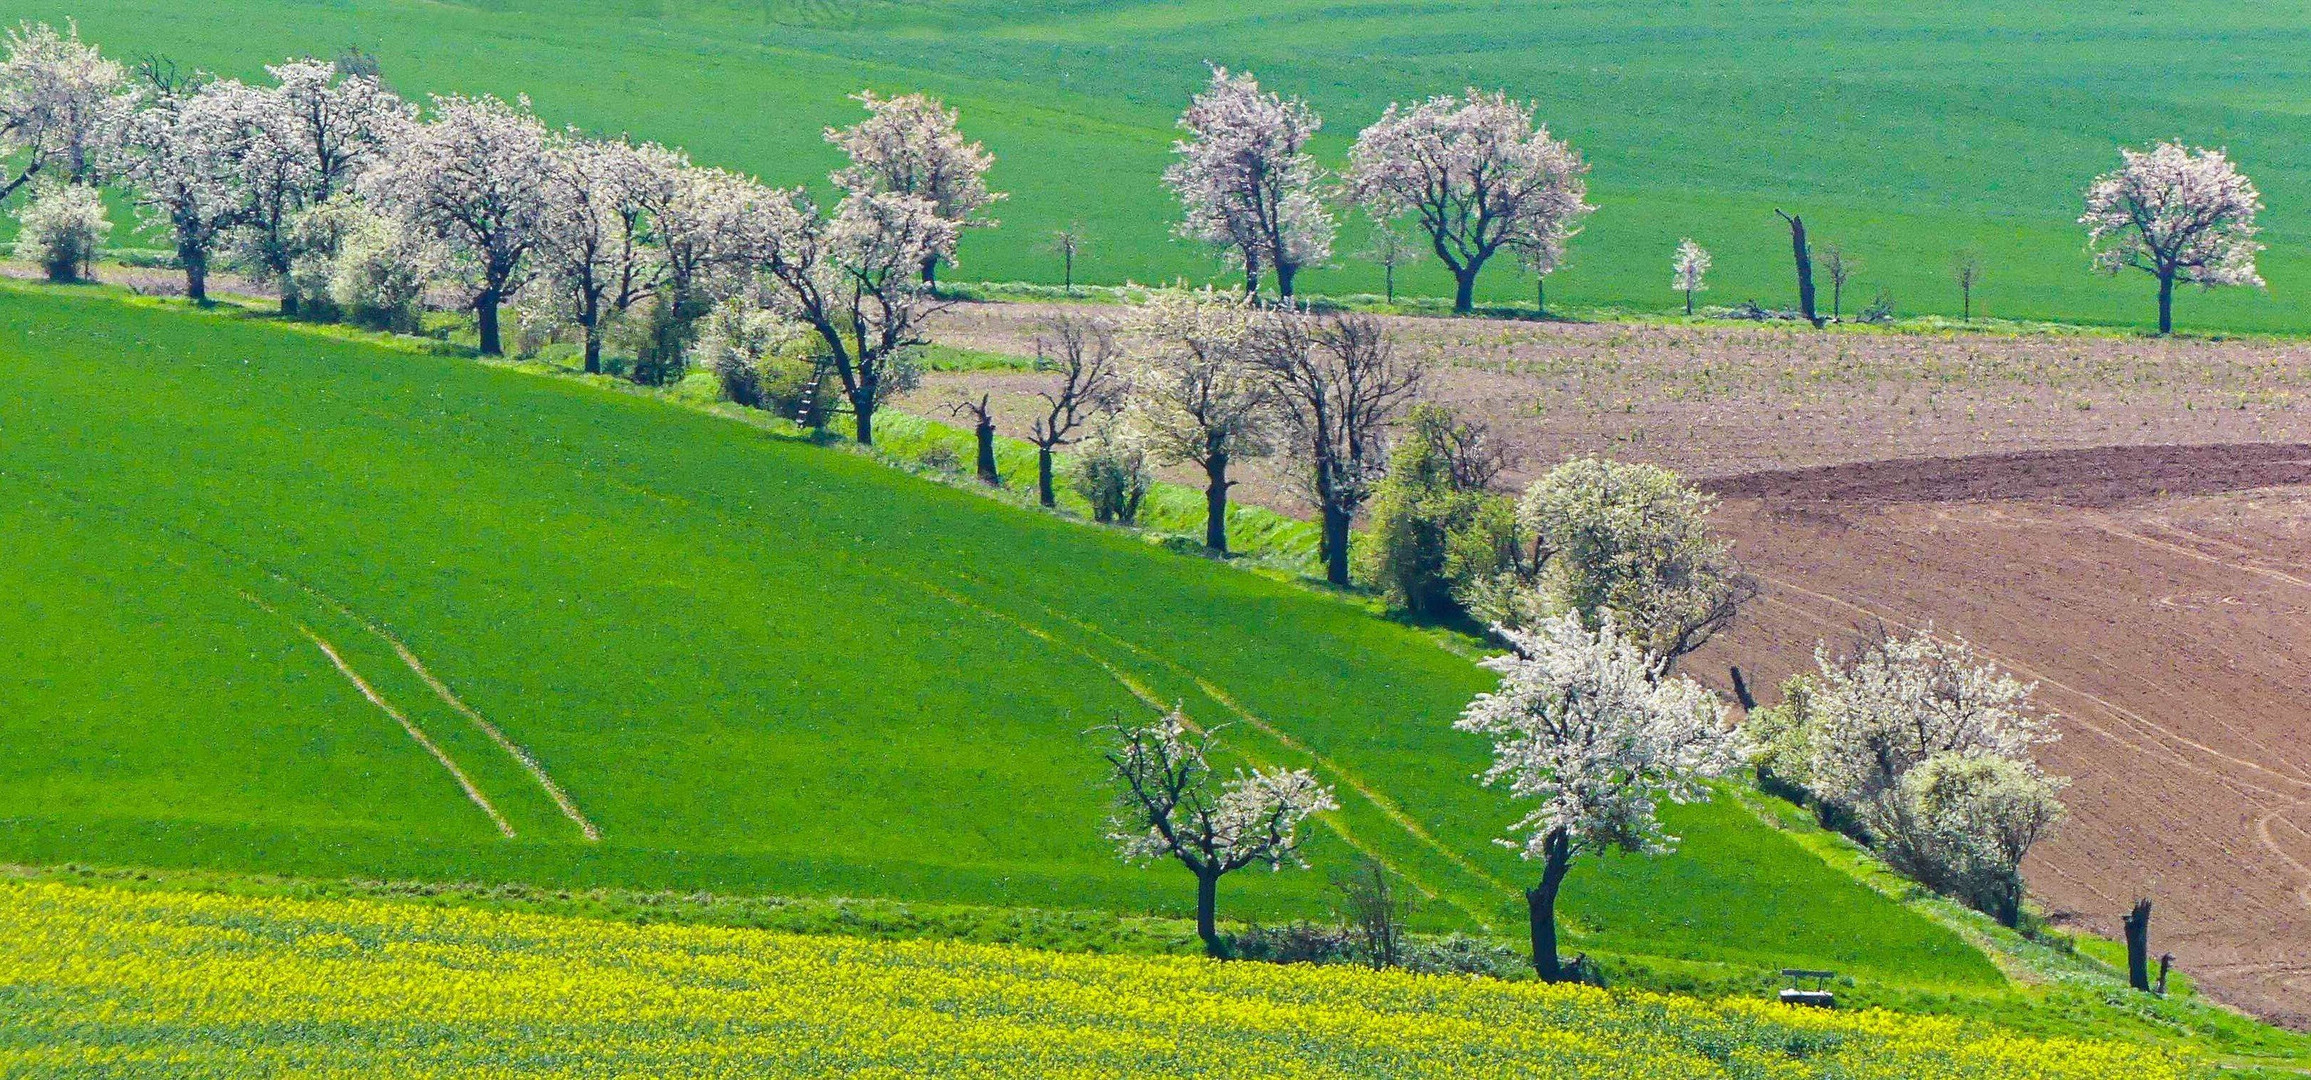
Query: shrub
x=1293 y=943
x=1435 y=529
x=940 y=457
x=1111 y=471
x=378 y=276
x=61 y=230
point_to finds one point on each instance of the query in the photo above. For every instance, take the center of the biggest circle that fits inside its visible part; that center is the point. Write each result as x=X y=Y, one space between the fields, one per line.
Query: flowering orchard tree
x=1198 y=394
x=62 y=105
x=1876 y=715
x=853 y=277
x=705 y=223
x=2177 y=215
x=182 y=157
x=62 y=228
x=1170 y=803
x=476 y=179
x=339 y=122
x=1687 y=268
x=1478 y=176
x=910 y=145
x=595 y=261
x=1246 y=183
x=1589 y=729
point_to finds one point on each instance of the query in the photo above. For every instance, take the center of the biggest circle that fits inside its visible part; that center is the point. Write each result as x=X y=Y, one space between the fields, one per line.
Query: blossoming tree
x=1688 y=266
x=912 y=145
x=1477 y=176
x=2178 y=215
x=62 y=103
x=475 y=178
x=1198 y=394
x=1588 y=730
x=1171 y=803
x=1246 y=182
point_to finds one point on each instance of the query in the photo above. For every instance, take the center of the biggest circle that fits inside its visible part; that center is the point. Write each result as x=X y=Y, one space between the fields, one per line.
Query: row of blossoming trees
x=350 y=201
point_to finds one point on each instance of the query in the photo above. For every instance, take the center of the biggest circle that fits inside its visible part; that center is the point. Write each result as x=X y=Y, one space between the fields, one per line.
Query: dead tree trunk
x=2138 y=945
x=1804 y=268
x=983 y=428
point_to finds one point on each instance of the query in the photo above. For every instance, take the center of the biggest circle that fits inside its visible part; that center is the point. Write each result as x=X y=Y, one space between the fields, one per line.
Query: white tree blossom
x=1687 y=267
x=1478 y=176
x=182 y=158
x=1246 y=182
x=1903 y=700
x=475 y=179
x=62 y=105
x=1170 y=803
x=340 y=122
x=2178 y=215
x=62 y=228
x=1589 y=730
x=1198 y=394
x=594 y=258
x=852 y=277
x=1630 y=539
x=911 y=145
x=378 y=276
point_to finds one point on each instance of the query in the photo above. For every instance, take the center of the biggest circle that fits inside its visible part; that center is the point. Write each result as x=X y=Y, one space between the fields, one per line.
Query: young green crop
x=753 y=664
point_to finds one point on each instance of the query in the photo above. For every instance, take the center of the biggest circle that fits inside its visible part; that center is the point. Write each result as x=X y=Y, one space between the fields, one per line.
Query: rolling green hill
x=1907 y=132
x=251 y=566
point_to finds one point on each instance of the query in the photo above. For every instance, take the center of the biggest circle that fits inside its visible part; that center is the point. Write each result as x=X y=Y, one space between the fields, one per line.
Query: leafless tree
x=1966 y=270
x=1083 y=353
x=1840 y=267
x=1338 y=383
x=983 y=430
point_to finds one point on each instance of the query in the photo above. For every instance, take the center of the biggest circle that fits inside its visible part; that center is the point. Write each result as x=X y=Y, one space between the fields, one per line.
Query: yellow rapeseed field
x=105 y=982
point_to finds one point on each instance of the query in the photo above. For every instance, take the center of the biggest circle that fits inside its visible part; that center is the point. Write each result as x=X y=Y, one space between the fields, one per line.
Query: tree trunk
x=485 y=308
x=1388 y=275
x=1688 y=303
x=1285 y=273
x=289 y=300
x=931 y=270
x=1208 y=915
x=1336 y=545
x=593 y=350
x=1540 y=296
x=986 y=433
x=1464 y=292
x=2138 y=945
x=196 y=262
x=863 y=419
x=1067 y=272
x=1043 y=491
x=1804 y=257
x=1216 y=504
x=1541 y=907
x=2166 y=304
x=1837 y=300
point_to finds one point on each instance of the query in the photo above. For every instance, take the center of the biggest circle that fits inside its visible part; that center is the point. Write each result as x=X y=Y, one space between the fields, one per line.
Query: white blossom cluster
x=1168 y=805
x=1246 y=181
x=1876 y=716
x=1688 y=267
x=1586 y=727
x=2185 y=215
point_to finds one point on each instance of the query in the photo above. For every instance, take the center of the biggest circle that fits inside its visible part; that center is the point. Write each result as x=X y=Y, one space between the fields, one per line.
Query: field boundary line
x=466 y=782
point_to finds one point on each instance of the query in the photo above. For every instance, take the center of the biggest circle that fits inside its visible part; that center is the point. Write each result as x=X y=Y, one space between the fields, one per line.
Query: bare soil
x=2127 y=521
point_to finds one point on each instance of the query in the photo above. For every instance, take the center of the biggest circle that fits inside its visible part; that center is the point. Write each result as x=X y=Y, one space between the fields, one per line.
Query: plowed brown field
x=2126 y=521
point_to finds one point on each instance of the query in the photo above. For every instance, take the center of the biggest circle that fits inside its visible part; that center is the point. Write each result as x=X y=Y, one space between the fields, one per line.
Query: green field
x=755 y=664
x=1908 y=132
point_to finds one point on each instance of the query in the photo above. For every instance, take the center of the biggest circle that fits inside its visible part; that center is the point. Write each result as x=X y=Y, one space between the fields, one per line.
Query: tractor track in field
x=519 y=753
x=336 y=659
x=516 y=751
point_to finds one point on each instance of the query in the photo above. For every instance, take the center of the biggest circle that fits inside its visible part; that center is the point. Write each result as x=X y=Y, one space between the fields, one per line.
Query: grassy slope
x=1907 y=131
x=759 y=665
